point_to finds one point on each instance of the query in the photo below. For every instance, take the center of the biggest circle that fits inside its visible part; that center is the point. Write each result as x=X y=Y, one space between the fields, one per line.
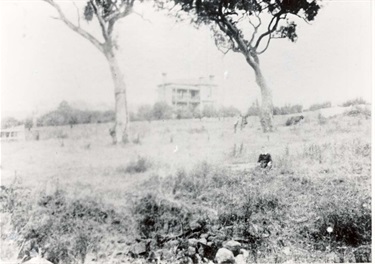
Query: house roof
x=189 y=82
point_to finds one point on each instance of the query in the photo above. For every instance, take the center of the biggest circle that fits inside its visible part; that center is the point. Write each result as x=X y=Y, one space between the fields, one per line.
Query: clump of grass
x=142 y=164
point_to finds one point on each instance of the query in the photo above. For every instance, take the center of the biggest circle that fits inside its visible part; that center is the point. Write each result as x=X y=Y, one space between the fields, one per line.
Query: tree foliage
x=67 y=115
x=232 y=20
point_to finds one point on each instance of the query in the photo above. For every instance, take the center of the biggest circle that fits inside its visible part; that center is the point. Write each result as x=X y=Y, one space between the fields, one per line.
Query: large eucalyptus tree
x=107 y=13
x=247 y=27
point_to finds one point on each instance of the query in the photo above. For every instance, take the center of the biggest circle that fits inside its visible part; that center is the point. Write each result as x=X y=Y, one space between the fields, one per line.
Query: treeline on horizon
x=65 y=114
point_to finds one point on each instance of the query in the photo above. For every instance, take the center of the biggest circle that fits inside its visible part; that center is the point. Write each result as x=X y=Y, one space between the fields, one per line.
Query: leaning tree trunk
x=266 y=110
x=120 y=132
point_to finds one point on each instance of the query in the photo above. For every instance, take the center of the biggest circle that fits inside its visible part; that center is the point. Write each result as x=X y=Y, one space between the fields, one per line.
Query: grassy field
x=81 y=199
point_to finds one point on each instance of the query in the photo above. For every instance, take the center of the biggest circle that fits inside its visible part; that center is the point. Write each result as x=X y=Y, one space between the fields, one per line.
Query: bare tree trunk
x=266 y=111
x=121 y=108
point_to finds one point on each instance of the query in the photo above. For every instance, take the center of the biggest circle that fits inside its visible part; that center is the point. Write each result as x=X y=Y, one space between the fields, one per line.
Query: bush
x=184 y=113
x=287 y=109
x=162 y=111
x=145 y=113
x=209 y=111
x=159 y=217
x=359 y=111
x=320 y=106
x=141 y=165
x=356 y=101
x=229 y=111
x=67 y=115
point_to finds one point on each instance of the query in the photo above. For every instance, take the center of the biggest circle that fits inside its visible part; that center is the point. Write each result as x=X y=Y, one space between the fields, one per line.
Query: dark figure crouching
x=265 y=161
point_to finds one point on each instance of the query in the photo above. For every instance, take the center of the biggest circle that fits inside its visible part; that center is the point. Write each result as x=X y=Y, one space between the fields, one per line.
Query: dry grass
x=186 y=171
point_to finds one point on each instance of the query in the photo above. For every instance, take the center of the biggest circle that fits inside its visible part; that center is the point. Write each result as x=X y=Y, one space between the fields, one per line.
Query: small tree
x=107 y=13
x=162 y=111
x=209 y=111
x=247 y=27
x=145 y=112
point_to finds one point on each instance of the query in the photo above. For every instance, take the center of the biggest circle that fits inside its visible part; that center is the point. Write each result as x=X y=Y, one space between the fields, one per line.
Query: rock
x=192 y=251
x=139 y=248
x=193 y=242
x=240 y=259
x=233 y=246
x=165 y=254
x=245 y=253
x=224 y=255
x=172 y=243
x=203 y=241
x=286 y=251
x=195 y=226
x=204 y=235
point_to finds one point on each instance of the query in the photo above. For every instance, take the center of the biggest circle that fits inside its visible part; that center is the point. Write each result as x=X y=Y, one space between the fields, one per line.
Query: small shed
x=13 y=133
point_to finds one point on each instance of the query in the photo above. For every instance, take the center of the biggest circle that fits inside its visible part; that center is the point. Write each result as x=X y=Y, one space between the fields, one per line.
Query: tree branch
x=270 y=30
x=75 y=28
x=125 y=9
x=256 y=27
x=78 y=16
x=101 y=21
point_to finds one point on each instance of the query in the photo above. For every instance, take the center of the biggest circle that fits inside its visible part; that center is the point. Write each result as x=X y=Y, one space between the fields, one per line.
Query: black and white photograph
x=186 y=131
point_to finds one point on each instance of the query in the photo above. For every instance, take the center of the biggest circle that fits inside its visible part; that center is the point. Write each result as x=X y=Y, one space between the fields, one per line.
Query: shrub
x=161 y=111
x=356 y=101
x=145 y=113
x=359 y=111
x=209 y=111
x=156 y=216
x=142 y=164
x=229 y=111
x=320 y=106
x=287 y=109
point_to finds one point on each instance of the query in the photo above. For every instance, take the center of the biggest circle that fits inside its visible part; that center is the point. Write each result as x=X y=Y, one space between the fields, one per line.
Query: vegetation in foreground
x=313 y=206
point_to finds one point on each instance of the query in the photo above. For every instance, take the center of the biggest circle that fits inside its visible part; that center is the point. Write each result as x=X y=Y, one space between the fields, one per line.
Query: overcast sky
x=43 y=62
